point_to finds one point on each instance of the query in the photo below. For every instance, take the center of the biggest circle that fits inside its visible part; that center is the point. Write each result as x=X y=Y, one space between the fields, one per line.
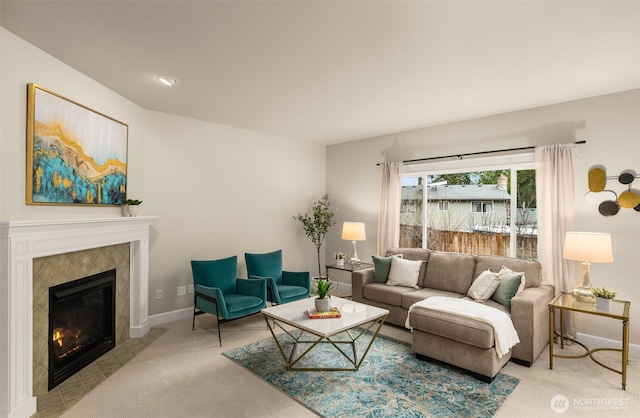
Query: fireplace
x=24 y=241
x=81 y=324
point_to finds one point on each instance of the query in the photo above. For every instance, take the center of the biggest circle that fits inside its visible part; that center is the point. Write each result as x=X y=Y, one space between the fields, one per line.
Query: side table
x=619 y=310
x=348 y=267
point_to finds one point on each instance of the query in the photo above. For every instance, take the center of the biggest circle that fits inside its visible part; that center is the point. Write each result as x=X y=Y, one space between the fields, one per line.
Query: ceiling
x=336 y=71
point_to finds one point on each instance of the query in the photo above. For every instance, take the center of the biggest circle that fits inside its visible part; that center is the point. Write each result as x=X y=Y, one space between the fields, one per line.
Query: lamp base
x=354 y=261
x=583 y=294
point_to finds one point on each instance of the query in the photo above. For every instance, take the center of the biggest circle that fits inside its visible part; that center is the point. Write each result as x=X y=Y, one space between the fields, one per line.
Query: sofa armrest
x=530 y=317
x=360 y=278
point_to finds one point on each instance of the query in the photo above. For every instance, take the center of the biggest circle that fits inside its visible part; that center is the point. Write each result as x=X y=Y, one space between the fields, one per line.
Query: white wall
x=222 y=191
x=219 y=191
x=611 y=126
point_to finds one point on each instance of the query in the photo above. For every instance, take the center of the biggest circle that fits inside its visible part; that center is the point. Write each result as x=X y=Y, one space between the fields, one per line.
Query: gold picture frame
x=75 y=155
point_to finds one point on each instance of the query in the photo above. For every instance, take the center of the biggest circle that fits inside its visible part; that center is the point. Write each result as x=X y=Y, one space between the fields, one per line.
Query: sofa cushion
x=531 y=269
x=414 y=296
x=380 y=292
x=484 y=286
x=404 y=272
x=451 y=272
x=458 y=328
x=381 y=267
x=411 y=253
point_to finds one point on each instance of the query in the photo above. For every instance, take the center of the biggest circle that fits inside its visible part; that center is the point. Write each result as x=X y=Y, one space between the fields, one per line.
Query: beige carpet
x=183 y=374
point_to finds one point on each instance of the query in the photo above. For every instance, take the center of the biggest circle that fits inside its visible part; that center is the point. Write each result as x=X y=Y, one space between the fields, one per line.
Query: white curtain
x=389 y=208
x=555 y=196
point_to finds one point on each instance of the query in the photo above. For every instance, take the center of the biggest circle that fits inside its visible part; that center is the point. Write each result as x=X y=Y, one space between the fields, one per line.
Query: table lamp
x=354 y=231
x=588 y=247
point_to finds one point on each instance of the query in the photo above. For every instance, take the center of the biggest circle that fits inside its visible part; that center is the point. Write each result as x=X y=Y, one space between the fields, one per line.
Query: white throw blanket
x=503 y=330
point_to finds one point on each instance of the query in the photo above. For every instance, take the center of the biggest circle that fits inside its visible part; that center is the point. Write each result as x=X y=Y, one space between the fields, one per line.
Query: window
x=480 y=206
x=408 y=207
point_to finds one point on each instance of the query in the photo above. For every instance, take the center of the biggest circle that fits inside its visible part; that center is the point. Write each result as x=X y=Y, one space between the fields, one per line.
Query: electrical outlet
x=182 y=290
x=159 y=294
x=190 y=289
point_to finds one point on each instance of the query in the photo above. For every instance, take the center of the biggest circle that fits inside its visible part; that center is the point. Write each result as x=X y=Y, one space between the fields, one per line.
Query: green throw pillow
x=507 y=289
x=381 y=267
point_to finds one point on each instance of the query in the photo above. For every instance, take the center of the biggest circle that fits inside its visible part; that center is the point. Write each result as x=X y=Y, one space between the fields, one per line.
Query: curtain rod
x=459 y=156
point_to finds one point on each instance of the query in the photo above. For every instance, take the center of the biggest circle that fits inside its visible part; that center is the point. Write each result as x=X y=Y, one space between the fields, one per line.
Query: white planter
x=340 y=262
x=132 y=210
x=323 y=305
x=602 y=303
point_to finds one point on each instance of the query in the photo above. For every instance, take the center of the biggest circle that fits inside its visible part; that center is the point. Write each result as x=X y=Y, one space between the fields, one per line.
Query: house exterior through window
x=474 y=212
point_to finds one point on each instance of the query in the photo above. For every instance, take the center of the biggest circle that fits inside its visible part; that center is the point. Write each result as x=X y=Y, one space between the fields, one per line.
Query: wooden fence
x=469 y=243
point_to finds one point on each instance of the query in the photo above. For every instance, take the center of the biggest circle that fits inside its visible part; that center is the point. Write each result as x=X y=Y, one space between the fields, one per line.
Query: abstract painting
x=75 y=155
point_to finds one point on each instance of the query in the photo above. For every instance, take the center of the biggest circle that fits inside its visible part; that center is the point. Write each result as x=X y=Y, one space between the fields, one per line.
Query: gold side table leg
x=625 y=352
x=562 y=329
x=551 y=332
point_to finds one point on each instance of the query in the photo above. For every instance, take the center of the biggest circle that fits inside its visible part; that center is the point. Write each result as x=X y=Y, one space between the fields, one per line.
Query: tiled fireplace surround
x=22 y=242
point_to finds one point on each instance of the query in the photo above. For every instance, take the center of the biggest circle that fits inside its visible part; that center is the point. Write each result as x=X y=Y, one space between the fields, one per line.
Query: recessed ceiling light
x=167 y=80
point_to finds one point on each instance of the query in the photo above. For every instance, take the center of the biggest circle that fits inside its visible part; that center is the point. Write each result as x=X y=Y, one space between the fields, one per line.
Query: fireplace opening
x=81 y=324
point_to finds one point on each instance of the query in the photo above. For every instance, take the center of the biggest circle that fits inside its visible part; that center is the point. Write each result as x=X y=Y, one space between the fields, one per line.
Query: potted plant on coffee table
x=324 y=287
x=603 y=297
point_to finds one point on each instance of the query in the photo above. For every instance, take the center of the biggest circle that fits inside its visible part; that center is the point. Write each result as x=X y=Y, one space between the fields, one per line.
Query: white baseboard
x=166 y=317
x=593 y=341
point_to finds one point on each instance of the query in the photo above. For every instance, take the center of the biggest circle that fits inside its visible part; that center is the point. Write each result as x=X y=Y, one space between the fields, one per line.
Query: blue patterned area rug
x=391 y=382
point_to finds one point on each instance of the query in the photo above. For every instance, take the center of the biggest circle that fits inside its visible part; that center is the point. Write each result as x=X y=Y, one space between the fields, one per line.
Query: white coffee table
x=357 y=318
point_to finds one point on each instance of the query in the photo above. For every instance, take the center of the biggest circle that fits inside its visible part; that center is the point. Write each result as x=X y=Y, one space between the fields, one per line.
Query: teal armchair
x=220 y=292
x=282 y=286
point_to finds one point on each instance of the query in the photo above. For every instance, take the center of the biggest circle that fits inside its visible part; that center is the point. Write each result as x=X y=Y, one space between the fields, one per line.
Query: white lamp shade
x=353 y=231
x=594 y=247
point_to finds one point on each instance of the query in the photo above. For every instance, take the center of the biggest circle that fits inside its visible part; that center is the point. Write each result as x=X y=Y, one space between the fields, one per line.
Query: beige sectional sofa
x=457 y=340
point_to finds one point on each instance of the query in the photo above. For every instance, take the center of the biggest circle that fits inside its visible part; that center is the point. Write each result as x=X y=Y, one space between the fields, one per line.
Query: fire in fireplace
x=81 y=324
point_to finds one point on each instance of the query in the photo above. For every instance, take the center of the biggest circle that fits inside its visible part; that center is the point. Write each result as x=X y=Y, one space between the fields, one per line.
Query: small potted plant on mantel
x=324 y=288
x=132 y=206
x=603 y=297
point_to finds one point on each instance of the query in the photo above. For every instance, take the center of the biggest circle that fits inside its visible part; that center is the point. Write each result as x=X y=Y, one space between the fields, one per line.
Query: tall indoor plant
x=317 y=223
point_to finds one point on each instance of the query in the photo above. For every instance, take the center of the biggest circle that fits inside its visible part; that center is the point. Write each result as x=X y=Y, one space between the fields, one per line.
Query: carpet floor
x=184 y=374
x=391 y=382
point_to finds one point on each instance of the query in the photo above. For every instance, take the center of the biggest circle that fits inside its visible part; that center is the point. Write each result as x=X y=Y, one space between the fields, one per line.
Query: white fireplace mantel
x=20 y=243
